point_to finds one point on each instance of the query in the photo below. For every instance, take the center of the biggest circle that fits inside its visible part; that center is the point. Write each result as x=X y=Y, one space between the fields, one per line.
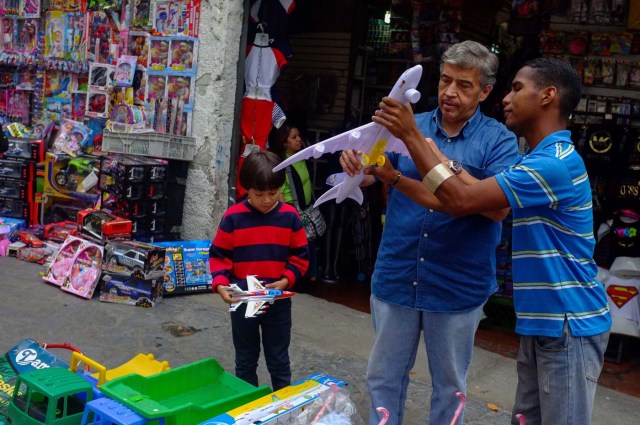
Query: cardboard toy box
x=186 y=267
x=30 y=149
x=134 y=258
x=28 y=355
x=68 y=177
x=121 y=289
x=279 y=407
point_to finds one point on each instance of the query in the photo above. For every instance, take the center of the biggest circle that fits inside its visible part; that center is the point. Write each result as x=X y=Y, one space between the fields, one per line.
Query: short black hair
x=560 y=74
x=257 y=172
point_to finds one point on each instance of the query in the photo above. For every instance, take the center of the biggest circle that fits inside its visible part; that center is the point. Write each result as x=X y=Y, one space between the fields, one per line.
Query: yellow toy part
x=376 y=155
x=141 y=364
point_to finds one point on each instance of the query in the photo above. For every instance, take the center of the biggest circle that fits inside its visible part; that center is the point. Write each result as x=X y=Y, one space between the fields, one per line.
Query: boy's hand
x=281 y=284
x=224 y=293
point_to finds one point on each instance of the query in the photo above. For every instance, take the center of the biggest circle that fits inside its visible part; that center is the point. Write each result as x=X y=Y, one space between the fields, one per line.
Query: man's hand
x=350 y=162
x=396 y=117
x=386 y=173
x=281 y=284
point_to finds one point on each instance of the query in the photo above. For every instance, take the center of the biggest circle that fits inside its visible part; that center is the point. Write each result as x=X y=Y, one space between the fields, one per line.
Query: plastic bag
x=333 y=407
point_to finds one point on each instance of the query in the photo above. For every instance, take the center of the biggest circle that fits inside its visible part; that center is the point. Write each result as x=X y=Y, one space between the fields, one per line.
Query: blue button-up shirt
x=431 y=261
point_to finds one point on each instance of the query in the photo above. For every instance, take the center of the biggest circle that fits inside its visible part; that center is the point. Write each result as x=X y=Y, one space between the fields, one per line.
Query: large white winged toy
x=372 y=139
x=255 y=297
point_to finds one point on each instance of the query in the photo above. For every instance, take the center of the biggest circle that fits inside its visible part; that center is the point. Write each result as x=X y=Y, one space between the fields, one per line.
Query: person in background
x=264 y=237
x=434 y=272
x=562 y=312
x=289 y=142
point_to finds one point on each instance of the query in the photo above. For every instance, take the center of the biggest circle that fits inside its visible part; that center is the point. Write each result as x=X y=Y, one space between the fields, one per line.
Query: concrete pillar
x=207 y=195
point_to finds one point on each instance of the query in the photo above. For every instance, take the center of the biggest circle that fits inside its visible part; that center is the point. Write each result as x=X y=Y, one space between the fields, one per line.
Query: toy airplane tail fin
x=332 y=193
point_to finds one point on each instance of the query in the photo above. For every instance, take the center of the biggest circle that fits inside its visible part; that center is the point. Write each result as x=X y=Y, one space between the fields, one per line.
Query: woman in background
x=289 y=142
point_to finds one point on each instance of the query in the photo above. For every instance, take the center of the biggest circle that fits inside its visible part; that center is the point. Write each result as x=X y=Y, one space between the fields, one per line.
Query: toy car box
x=280 y=407
x=16 y=189
x=123 y=168
x=15 y=208
x=66 y=175
x=59 y=231
x=15 y=225
x=121 y=289
x=26 y=356
x=100 y=226
x=133 y=258
x=17 y=169
x=186 y=267
x=26 y=149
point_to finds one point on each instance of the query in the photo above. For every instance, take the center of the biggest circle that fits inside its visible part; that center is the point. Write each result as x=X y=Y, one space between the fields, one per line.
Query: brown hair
x=257 y=172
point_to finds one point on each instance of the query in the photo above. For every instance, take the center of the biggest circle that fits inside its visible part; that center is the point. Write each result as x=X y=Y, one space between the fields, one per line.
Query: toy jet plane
x=372 y=139
x=255 y=297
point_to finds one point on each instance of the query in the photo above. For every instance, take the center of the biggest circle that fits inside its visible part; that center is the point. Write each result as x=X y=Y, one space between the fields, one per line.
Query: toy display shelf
x=167 y=146
x=188 y=394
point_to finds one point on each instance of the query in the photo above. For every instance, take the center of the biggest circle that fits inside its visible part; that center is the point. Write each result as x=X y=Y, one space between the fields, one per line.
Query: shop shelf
x=167 y=146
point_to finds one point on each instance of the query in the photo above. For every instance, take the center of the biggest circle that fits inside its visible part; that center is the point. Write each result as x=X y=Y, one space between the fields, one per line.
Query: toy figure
x=162 y=21
x=122 y=72
x=28 y=33
x=183 y=54
x=8 y=33
x=157 y=85
x=159 y=52
x=179 y=88
x=31 y=7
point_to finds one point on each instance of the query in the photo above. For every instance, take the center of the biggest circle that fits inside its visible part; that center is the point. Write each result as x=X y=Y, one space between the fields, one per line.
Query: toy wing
x=360 y=139
x=253 y=284
x=372 y=138
x=253 y=308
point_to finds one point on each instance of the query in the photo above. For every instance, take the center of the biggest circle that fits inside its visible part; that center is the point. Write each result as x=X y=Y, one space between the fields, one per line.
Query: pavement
x=326 y=338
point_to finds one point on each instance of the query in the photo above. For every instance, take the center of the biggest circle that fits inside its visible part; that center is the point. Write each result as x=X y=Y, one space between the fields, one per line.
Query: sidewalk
x=327 y=338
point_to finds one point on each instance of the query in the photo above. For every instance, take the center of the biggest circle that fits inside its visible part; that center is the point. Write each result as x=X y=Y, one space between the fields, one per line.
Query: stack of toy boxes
x=70 y=180
x=17 y=179
x=133 y=273
x=134 y=187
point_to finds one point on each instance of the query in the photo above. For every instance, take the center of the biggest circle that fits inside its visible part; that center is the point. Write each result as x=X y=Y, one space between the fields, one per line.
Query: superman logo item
x=620 y=295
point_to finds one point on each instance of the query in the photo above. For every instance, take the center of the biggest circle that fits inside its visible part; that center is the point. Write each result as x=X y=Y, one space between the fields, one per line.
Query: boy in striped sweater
x=260 y=236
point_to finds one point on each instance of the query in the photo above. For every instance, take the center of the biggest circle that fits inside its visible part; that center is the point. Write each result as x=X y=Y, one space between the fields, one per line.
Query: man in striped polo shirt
x=562 y=311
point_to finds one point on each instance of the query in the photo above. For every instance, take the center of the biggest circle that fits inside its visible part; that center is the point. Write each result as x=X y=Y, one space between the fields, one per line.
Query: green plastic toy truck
x=52 y=396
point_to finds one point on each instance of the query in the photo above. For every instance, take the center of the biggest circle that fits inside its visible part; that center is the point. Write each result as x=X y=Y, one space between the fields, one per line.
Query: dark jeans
x=276 y=336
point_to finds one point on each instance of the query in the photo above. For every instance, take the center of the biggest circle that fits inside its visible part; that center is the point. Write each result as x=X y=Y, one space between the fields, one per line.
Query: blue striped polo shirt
x=553 y=268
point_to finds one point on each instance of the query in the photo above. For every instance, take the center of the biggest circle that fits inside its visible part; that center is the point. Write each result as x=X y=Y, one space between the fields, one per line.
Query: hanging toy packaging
x=125 y=70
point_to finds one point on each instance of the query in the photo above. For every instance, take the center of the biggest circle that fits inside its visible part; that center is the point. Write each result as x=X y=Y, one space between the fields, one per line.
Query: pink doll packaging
x=62 y=261
x=184 y=54
x=158 y=53
x=180 y=87
x=125 y=70
x=85 y=271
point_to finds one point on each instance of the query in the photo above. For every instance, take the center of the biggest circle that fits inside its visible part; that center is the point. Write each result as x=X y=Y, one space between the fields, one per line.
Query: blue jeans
x=557 y=378
x=449 y=343
x=275 y=325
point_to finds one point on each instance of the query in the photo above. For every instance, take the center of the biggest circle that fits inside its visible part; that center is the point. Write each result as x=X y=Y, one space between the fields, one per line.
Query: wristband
x=398 y=175
x=436 y=176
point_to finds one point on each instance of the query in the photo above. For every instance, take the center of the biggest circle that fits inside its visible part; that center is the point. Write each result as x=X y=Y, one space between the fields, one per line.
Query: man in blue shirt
x=562 y=311
x=433 y=272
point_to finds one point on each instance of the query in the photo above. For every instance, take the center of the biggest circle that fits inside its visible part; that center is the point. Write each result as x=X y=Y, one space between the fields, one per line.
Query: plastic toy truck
x=48 y=396
x=105 y=411
x=186 y=395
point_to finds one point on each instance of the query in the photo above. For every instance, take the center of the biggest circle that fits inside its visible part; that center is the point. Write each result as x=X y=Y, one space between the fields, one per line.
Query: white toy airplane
x=255 y=297
x=372 y=139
